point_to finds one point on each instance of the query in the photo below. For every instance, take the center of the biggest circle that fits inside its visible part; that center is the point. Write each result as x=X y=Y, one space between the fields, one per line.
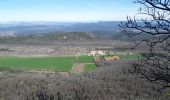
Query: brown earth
x=78 y=68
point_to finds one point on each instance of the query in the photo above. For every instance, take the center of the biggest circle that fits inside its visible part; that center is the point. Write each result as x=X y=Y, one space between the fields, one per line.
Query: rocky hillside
x=74 y=36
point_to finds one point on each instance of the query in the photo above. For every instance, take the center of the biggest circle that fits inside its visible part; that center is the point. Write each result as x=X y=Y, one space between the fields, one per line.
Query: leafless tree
x=152 y=24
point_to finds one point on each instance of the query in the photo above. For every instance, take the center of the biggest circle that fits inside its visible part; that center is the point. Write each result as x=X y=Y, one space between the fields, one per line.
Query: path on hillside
x=78 y=68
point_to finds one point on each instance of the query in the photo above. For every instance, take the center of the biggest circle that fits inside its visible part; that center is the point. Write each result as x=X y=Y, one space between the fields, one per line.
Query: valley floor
x=56 y=48
x=109 y=81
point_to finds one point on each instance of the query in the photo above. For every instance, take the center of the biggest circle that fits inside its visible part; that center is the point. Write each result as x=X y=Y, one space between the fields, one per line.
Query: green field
x=130 y=57
x=63 y=64
x=60 y=64
x=85 y=59
x=90 y=67
x=127 y=57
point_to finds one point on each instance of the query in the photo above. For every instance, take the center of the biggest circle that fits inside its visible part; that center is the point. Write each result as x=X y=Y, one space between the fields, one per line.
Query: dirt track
x=78 y=68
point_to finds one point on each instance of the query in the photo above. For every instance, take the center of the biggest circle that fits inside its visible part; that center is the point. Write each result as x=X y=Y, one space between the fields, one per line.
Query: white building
x=97 y=53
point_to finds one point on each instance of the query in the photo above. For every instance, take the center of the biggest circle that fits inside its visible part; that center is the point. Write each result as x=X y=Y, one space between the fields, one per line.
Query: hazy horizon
x=1 y=22
x=66 y=10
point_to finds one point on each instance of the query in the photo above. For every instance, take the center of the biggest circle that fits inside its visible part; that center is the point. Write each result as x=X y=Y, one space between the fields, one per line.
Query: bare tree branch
x=155 y=66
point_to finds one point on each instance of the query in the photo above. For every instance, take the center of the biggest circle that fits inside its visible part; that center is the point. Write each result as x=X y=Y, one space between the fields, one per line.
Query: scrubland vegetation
x=111 y=82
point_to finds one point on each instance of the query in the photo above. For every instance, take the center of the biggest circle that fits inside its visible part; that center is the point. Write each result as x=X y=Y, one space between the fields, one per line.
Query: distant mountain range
x=62 y=31
x=100 y=29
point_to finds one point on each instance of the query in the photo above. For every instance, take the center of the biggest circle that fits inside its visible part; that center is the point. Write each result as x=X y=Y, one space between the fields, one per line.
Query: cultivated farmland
x=57 y=64
x=89 y=67
x=62 y=64
x=85 y=59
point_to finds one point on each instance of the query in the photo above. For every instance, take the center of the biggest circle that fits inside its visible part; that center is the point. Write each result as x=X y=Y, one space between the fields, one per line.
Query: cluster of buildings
x=94 y=53
x=102 y=52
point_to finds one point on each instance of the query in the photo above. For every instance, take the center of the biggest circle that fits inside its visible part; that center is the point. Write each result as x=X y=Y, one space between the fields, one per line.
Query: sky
x=66 y=10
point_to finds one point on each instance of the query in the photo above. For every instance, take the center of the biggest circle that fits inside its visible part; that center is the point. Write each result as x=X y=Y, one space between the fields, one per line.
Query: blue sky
x=66 y=10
